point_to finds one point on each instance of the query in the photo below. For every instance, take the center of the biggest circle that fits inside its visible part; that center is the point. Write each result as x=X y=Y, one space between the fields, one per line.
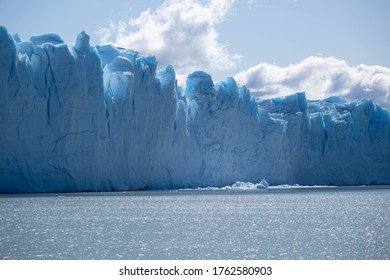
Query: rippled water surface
x=274 y=224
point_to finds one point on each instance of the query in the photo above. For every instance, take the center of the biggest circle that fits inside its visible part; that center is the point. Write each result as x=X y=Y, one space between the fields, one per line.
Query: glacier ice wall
x=95 y=118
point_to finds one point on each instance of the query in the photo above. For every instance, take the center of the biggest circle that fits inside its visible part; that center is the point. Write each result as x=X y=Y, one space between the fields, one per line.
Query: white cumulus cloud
x=179 y=32
x=319 y=77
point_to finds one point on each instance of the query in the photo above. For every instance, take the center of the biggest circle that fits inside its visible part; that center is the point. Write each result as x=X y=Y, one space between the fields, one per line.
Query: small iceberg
x=248 y=185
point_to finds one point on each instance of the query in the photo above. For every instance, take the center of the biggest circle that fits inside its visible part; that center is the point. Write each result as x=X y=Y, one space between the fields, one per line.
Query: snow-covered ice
x=79 y=117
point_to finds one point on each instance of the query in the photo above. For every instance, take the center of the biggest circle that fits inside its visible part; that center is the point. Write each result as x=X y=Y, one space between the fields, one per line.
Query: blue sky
x=228 y=37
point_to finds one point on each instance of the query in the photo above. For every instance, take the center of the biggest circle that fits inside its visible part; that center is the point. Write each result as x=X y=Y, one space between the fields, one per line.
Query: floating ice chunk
x=263 y=184
x=249 y=186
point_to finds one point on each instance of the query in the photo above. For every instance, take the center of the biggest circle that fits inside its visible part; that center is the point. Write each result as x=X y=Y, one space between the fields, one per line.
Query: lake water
x=310 y=223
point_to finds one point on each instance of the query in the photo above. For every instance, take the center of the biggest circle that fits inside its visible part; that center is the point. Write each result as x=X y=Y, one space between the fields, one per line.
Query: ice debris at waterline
x=96 y=118
x=239 y=186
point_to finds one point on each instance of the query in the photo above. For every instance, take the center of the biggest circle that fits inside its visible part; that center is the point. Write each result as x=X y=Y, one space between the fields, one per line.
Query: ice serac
x=84 y=118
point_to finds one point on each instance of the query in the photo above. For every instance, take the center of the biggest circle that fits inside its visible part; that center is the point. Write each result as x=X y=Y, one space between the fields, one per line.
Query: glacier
x=77 y=117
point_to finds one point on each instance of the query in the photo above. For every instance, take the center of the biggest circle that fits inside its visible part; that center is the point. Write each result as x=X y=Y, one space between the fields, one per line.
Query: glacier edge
x=99 y=118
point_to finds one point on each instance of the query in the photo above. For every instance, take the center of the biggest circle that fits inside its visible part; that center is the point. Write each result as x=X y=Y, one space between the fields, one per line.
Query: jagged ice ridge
x=98 y=118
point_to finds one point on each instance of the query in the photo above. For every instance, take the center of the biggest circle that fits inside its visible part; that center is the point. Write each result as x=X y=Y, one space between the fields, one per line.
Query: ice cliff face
x=79 y=117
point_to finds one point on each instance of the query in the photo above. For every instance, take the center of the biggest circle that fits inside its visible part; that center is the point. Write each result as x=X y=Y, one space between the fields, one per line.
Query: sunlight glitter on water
x=273 y=224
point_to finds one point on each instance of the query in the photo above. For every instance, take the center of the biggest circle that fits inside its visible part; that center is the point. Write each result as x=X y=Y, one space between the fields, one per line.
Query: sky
x=275 y=47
